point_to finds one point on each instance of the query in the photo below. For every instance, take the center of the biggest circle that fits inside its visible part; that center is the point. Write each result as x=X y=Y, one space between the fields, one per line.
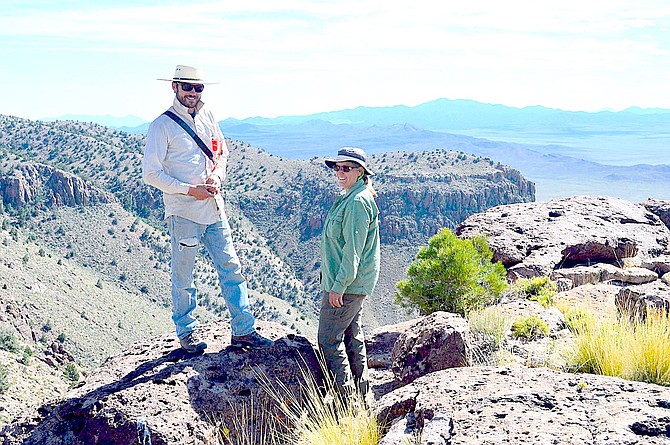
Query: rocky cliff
x=419 y=193
x=30 y=184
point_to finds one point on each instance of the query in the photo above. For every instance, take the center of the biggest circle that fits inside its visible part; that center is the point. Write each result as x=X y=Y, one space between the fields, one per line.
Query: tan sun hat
x=351 y=154
x=188 y=74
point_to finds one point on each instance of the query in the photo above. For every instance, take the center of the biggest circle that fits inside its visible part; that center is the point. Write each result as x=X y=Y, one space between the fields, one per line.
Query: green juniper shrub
x=452 y=274
x=27 y=356
x=71 y=373
x=531 y=327
x=4 y=379
x=8 y=341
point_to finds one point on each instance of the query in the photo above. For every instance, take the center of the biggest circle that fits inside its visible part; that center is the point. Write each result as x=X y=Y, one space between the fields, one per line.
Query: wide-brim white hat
x=189 y=74
x=351 y=154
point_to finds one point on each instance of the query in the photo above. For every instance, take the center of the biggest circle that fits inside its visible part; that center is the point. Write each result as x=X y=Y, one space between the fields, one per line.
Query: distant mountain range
x=624 y=154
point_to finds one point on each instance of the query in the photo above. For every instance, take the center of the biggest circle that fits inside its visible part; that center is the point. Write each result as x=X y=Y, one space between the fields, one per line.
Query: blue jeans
x=185 y=237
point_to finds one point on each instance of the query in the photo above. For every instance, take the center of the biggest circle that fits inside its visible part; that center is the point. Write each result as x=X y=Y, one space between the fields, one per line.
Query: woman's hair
x=367 y=181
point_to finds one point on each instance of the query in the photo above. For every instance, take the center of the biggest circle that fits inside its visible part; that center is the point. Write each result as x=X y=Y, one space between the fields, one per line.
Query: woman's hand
x=335 y=299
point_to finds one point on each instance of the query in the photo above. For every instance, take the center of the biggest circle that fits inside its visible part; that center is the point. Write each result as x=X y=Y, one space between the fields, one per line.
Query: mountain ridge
x=551 y=147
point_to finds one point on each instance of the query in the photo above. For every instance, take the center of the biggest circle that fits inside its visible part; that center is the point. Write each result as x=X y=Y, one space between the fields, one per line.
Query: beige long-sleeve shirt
x=173 y=162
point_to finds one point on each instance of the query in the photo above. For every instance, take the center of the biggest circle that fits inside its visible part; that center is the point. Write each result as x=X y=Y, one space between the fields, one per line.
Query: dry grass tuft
x=636 y=349
x=319 y=415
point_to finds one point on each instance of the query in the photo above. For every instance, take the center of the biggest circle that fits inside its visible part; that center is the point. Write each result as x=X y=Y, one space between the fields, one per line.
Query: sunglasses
x=190 y=86
x=344 y=168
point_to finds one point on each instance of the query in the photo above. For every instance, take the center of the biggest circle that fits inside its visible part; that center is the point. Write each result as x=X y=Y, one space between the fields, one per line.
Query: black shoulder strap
x=190 y=131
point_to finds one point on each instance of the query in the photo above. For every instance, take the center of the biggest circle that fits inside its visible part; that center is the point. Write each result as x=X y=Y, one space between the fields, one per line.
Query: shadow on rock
x=155 y=393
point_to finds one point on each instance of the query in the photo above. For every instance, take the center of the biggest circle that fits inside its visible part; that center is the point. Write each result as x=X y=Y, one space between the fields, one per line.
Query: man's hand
x=214 y=184
x=201 y=191
x=335 y=299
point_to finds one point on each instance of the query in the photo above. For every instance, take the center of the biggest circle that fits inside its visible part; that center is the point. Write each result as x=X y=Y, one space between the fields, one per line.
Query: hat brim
x=193 y=81
x=330 y=162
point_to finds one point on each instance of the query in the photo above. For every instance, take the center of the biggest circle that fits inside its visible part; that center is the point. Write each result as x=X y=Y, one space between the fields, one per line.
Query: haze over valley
x=624 y=154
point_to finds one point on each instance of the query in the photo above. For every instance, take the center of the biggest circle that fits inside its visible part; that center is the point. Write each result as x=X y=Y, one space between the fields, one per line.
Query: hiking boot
x=191 y=344
x=253 y=340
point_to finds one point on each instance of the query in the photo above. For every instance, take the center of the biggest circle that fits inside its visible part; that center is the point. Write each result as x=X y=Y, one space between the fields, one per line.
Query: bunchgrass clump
x=579 y=319
x=531 y=327
x=490 y=324
x=636 y=349
x=325 y=416
x=252 y=424
x=540 y=289
x=319 y=415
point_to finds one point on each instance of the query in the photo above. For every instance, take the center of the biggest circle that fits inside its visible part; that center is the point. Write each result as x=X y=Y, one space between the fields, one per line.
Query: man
x=189 y=173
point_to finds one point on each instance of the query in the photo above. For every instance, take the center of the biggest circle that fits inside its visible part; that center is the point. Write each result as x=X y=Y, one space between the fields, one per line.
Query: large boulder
x=603 y=272
x=536 y=238
x=438 y=341
x=636 y=301
x=380 y=343
x=539 y=406
x=658 y=207
x=155 y=392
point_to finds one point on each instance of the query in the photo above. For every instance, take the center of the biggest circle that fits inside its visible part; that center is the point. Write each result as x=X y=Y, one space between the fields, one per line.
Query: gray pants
x=342 y=343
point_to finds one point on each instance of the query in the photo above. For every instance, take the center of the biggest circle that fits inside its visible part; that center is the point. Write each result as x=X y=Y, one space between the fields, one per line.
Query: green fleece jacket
x=350 y=243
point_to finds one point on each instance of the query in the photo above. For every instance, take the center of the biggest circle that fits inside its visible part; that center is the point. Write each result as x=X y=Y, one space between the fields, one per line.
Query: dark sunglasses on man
x=189 y=86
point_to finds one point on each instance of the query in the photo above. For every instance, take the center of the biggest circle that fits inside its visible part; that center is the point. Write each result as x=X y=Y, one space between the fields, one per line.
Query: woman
x=349 y=270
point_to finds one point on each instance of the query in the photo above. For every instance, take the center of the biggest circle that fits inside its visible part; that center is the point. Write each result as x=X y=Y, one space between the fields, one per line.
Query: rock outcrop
x=537 y=238
x=37 y=183
x=156 y=394
x=659 y=208
x=153 y=393
x=438 y=341
x=500 y=405
x=584 y=240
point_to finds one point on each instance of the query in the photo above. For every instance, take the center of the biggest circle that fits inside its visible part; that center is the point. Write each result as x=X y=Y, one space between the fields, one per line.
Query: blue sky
x=298 y=57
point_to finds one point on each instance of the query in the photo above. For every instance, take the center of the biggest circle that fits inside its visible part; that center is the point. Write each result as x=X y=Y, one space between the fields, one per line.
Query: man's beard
x=188 y=102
